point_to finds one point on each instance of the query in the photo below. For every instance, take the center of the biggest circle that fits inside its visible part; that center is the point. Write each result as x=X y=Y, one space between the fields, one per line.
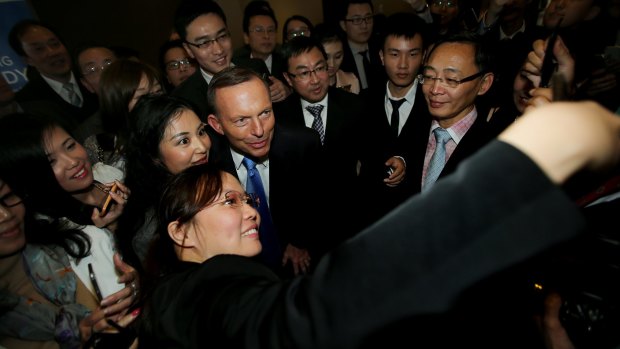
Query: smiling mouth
x=81 y=173
x=251 y=232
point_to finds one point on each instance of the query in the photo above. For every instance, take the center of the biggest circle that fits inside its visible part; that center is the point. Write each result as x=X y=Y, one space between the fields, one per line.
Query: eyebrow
x=184 y=133
x=208 y=37
x=321 y=61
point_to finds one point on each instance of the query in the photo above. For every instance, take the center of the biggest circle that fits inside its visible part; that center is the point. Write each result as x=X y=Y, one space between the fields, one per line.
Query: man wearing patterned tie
x=339 y=118
x=52 y=88
x=457 y=70
x=273 y=161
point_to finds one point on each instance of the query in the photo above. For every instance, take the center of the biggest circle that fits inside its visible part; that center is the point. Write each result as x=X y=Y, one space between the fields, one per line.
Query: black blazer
x=37 y=97
x=410 y=263
x=294 y=168
x=377 y=76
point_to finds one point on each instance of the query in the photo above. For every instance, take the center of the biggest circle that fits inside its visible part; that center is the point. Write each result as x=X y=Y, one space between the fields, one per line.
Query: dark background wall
x=146 y=24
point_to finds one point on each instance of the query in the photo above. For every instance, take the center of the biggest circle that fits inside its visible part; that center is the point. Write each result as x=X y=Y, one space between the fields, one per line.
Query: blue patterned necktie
x=438 y=161
x=271 y=253
x=317 y=123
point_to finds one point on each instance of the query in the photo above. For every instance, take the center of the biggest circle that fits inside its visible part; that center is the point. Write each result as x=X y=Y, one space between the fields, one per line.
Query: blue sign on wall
x=12 y=67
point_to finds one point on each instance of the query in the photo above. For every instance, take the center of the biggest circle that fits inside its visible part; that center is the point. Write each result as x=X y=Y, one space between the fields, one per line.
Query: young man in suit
x=202 y=27
x=52 y=88
x=399 y=105
x=361 y=53
x=456 y=72
x=259 y=34
x=286 y=159
x=339 y=119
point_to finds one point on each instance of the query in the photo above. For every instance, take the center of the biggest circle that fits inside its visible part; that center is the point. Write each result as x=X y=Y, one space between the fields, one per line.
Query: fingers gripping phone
x=93 y=280
x=108 y=202
x=548 y=66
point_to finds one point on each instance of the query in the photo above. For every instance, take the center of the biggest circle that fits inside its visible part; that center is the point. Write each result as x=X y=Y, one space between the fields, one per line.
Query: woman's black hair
x=24 y=166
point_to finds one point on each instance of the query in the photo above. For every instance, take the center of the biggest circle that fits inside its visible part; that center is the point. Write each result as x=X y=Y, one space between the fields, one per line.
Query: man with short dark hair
x=52 y=88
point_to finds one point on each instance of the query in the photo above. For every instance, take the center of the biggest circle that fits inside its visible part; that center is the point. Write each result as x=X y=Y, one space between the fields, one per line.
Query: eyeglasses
x=10 y=199
x=263 y=30
x=359 y=20
x=444 y=3
x=305 y=75
x=97 y=69
x=175 y=65
x=208 y=44
x=301 y=32
x=236 y=199
x=452 y=83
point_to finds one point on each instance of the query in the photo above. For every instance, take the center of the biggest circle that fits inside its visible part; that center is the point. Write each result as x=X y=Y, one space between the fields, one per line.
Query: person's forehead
x=359 y=9
x=95 y=53
x=262 y=19
x=37 y=33
x=314 y=55
x=415 y=41
x=453 y=50
x=206 y=22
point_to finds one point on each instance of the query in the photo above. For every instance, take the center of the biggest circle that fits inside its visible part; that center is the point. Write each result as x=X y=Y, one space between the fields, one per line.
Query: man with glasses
x=457 y=70
x=361 y=54
x=259 y=34
x=52 y=88
x=339 y=118
x=202 y=27
x=175 y=63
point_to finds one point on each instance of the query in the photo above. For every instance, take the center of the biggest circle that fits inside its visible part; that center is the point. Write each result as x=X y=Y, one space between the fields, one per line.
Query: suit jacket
x=409 y=263
x=377 y=76
x=476 y=137
x=37 y=97
x=278 y=65
x=413 y=135
x=293 y=167
x=342 y=148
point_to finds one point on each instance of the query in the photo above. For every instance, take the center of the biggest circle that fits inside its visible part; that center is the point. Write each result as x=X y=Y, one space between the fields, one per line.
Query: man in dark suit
x=287 y=159
x=52 y=89
x=457 y=70
x=398 y=107
x=260 y=28
x=340 y=120
x=361 y=52
x=202 y=27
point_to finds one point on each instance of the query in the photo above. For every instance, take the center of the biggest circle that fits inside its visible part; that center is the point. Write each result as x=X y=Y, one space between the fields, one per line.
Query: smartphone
x=93 y=280
x=548 y=67
x=108 y=201
x=389 y=171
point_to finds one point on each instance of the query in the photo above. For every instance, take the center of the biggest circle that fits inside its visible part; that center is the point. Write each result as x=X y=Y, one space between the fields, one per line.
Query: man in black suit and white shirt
x=286 y=158
x=52 y=89
x=340 y=120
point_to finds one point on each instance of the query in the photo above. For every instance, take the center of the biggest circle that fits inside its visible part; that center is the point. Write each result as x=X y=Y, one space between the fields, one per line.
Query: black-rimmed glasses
x=424 y=79
x=10 y=200
x=360 y=20
x=208 y=44
x=305 y=75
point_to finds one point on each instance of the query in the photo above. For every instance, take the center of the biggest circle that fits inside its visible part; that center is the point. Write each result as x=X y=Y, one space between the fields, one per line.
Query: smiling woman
x=166 y=136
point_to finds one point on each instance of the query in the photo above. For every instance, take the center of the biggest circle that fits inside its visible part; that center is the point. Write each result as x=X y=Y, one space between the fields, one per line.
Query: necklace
x=102 y=187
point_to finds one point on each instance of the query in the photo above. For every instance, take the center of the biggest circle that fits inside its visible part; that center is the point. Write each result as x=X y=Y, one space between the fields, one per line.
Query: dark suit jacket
x=410 y=263
x=293 y=184
x=412 y=136
x=377 y=76
x=342 y=148
x=278 y=65
x=37 y=97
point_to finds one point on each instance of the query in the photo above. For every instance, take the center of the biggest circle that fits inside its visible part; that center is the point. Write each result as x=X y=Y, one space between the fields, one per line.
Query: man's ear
x=246 y=39
x=178 y=234
x=381 y=56
x=288 y=79
x=343 y=26
x=486 y=83
x=214 y=122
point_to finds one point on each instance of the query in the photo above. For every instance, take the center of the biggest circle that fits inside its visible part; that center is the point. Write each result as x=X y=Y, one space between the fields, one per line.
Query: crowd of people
x=150 y=206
